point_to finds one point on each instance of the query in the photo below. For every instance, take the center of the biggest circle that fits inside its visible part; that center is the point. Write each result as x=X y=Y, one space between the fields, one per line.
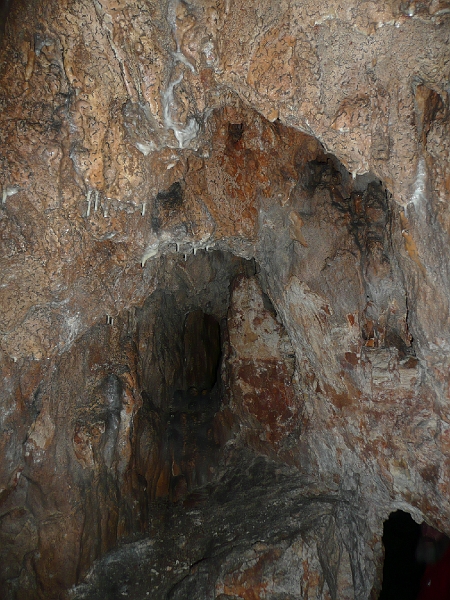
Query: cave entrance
x=180 y=334
x=189 y=441
x=402 y=572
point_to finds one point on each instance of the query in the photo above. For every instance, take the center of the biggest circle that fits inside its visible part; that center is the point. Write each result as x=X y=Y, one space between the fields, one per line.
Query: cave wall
x=122 y=420
x=280 y=173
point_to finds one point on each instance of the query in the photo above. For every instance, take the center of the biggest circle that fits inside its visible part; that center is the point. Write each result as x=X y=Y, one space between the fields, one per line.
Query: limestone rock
x=225 y=334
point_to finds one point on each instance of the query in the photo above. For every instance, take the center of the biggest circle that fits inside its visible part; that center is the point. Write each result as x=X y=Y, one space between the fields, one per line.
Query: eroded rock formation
x=225 y=294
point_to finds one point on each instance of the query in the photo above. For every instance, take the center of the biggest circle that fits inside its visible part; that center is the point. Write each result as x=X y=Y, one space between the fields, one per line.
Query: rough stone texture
x=290 y=544
x=224 y=270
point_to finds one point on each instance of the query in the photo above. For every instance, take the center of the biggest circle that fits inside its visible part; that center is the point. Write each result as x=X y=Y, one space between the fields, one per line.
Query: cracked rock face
x=225 y=339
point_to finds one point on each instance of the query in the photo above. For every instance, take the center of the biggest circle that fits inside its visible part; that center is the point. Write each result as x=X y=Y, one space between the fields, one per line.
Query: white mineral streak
x=88 y=200
x=180 y=57
x=150 y=252
x=418 y=196
x=145 y=148
x=9 y=191
x=184 y=135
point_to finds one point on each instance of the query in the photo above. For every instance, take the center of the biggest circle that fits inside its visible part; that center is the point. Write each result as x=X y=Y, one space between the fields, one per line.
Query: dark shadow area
x=401 y=573
x=207 y=542
x=5 y=6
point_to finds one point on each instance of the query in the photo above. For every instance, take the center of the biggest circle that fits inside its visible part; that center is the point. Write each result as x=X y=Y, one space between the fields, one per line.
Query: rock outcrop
x=225 y=333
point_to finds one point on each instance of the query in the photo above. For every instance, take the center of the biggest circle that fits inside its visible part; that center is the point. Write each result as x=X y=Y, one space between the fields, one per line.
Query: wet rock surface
x=224 y=292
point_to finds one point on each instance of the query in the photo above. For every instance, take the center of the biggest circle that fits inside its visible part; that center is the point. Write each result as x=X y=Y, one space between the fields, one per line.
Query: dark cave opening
x=402 y=573
x=181 y=333
x=189 y=440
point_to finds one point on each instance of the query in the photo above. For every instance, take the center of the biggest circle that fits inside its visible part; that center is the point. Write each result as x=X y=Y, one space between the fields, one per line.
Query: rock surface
x=225 y=278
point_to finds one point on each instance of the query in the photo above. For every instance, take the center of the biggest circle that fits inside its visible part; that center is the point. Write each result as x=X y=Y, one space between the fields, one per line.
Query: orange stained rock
x=250 y=583
x=410 y=244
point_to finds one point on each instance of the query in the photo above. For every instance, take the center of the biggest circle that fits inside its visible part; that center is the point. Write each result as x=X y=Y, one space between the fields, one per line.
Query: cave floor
x=253 y=515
